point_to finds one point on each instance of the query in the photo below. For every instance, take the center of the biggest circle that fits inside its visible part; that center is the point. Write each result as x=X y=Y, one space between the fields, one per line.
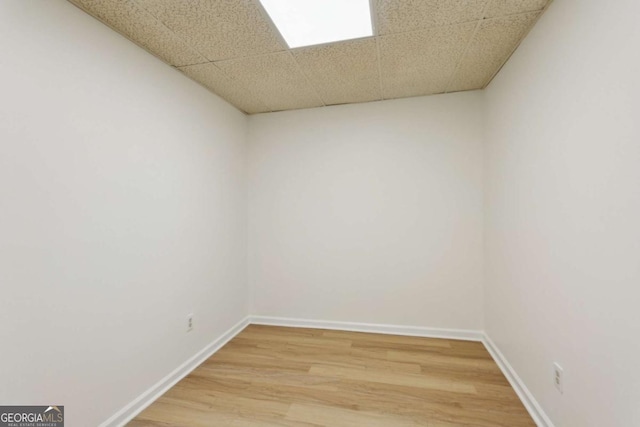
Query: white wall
x=122 y=209
x=563 y=211
x=369 y=212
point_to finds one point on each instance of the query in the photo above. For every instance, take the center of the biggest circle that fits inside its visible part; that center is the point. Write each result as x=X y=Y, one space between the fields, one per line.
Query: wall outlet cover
x=558 y=377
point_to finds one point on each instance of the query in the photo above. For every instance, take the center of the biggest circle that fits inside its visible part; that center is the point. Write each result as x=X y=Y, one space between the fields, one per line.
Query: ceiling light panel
x=312 y=22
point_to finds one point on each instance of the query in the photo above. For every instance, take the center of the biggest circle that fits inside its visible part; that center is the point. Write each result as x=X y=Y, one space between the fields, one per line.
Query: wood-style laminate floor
x=275 y=376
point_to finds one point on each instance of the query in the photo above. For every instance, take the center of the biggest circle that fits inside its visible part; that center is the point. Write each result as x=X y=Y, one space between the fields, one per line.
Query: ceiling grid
x=418 y=47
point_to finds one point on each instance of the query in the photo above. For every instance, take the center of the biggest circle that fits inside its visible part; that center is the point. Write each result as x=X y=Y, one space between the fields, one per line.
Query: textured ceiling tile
x=342 y=72
x=219 y=29
x=510 y=7
x=492 y=45
x=397 y=16
x=364 y=90
x=422 y=62
x=136 y=24
x=215 y=79
x=275 y=78
x=424 y=47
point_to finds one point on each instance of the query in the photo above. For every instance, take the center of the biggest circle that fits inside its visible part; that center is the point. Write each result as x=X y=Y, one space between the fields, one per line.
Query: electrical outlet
x=190 y=322
x=558 y=377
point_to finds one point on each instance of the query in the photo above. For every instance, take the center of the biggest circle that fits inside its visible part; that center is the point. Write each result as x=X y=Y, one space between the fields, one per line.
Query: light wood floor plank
x=394 y=378
x=299 y=377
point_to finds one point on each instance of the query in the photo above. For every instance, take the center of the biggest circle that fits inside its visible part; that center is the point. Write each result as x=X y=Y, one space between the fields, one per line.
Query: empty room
x=319 y=213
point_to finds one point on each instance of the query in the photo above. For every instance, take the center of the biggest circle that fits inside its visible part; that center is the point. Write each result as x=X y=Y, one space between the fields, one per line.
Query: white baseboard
x=416 y=331
x=129 y=412
x=530 y=403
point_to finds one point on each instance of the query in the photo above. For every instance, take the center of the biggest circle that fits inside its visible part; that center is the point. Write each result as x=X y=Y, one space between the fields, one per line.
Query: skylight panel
x=311 y=22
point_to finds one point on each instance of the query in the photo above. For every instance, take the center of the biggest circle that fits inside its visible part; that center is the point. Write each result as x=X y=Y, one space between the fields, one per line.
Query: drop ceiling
x=232 y=48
